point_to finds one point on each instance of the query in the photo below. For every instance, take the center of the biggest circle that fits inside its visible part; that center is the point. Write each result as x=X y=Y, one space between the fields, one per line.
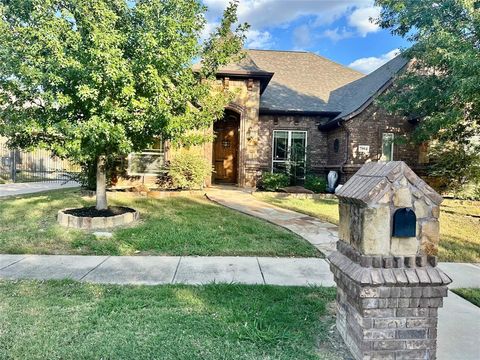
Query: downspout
x=347 y=142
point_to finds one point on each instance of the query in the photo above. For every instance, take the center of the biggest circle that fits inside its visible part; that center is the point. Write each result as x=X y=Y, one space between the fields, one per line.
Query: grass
x=173 y=226
x=324 y=209
x=69 y=320
x=469 y=294
x=459 y=240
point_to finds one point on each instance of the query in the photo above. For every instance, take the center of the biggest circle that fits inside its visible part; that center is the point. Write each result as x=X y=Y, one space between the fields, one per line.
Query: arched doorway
x=226 y=148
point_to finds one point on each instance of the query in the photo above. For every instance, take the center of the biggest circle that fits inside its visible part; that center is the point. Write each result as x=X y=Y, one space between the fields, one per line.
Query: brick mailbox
x=388 y=285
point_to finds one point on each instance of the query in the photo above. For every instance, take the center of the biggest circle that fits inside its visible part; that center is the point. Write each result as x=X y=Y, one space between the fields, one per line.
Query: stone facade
x=369 y=200
x=336 y=149
x=389 y=287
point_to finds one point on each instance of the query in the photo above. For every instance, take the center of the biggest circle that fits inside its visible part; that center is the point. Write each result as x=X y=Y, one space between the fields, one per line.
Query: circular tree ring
x=90 y=219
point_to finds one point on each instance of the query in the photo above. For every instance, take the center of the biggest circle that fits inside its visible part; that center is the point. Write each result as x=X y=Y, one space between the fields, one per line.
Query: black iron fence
x=39 y=165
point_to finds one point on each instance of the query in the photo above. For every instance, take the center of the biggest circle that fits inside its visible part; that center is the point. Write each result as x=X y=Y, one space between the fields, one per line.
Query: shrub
x=189 y=170
x=273 y=182
x=318 y=184
x=458 y=165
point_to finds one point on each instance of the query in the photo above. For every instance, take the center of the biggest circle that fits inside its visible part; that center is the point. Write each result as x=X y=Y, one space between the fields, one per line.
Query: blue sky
x=337 y=29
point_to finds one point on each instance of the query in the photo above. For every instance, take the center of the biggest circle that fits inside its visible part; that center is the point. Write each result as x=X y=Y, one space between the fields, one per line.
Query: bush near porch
x=459 y=223
x=181 y=225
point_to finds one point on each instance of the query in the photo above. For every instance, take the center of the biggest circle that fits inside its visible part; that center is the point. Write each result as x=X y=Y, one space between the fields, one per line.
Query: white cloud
x=259 y=39
x=265 y=13
x=208 y=29
x=369 y=64
x=337 y=34
x=360 y=19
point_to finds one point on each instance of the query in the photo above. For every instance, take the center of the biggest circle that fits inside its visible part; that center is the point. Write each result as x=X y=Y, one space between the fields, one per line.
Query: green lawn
x=69 y=320
x=324 y=209
x=174 y=226
x=459 y=240
x=470 y=294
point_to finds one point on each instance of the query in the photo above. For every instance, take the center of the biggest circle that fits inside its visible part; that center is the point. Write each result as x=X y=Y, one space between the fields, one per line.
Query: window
x=387 y=147
x=290 y=152
x=336 y=145
x=148 y=162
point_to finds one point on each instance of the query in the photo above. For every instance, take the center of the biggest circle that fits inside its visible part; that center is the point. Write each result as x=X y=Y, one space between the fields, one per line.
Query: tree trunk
x=101 y=184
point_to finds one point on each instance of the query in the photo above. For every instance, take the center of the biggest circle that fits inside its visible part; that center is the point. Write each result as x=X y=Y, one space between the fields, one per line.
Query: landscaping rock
x=296 y=190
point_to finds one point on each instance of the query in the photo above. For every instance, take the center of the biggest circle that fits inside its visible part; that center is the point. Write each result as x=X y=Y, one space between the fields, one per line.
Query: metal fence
x=34 y=166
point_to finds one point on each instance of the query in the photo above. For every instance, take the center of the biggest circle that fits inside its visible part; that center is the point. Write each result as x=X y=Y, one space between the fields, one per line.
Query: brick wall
x=316 y=140
x=367 y=129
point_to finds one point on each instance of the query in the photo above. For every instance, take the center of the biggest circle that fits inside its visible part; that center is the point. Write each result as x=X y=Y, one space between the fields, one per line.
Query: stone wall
x=246 y=103
x=369 y=228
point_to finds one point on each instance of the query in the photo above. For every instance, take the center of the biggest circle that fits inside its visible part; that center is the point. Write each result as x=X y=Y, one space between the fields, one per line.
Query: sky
x=337 y=29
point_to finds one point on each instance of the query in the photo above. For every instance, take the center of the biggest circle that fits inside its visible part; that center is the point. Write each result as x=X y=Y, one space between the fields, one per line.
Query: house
x=301 y=107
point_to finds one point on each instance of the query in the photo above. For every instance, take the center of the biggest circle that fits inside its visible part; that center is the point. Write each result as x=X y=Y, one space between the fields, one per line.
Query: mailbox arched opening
x=404 y=223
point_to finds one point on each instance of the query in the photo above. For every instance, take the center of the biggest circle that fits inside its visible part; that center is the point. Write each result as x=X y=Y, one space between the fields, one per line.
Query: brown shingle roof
x=302 y=81
x=307 y=82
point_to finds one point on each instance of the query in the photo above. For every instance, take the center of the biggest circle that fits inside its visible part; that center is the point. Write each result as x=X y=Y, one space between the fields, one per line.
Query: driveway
x=34 y=187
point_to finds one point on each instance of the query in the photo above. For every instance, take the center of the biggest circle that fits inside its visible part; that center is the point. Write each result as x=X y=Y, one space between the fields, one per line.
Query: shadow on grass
x=171 y=226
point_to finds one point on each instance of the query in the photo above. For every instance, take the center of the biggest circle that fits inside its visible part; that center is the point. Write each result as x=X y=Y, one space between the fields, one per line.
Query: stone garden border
x=154 y=194
x=161 y=194
x=95 y=223
x=281 y=195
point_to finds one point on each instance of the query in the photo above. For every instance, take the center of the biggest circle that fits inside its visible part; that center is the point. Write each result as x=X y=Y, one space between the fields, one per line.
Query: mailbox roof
x=374 y=179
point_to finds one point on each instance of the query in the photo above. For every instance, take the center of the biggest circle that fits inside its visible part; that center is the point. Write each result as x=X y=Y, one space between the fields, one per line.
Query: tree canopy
x=91 y=78
x=441 y=86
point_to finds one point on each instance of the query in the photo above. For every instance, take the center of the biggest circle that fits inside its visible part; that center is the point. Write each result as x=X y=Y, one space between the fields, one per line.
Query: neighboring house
x=298 y=104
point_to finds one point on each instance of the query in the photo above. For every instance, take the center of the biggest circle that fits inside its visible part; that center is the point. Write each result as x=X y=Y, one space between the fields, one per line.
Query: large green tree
x=96 y=79
x=442 y=85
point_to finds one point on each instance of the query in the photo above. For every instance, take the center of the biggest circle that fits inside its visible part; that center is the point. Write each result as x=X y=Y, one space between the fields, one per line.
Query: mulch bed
x=94 y=213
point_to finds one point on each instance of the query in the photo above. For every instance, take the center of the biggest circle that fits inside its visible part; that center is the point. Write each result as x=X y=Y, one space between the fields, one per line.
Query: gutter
x=328 y=114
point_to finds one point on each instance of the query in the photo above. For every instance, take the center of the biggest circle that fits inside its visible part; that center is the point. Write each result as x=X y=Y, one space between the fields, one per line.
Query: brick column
x=387 y=306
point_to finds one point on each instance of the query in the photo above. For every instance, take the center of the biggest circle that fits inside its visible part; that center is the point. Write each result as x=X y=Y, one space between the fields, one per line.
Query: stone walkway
x=34 y=187
x=320 y=234
x=458 y=327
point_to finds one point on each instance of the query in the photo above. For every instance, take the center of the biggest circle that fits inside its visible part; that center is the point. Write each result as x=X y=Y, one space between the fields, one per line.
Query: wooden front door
x=226 y=152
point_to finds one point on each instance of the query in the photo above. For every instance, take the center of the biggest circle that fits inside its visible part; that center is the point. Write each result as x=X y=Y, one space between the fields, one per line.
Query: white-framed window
x=387 y=146
x=289 y=152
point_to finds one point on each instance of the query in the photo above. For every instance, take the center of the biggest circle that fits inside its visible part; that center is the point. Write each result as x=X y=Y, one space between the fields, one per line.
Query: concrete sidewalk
x=458 y=327
x=320 y=234
x=34 y=187
x=153 y=270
